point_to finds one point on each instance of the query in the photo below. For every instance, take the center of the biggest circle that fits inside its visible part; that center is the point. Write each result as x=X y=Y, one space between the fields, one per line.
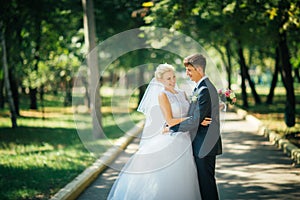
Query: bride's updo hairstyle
x=161 y=69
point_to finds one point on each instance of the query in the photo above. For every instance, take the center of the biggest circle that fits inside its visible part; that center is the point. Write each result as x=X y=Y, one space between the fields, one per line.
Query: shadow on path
x=253 y=168
x=100 y=188
x=250 y=167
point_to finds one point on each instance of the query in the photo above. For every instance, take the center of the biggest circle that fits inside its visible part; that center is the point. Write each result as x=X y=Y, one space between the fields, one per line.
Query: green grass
x=273 y=115
x=45 y=152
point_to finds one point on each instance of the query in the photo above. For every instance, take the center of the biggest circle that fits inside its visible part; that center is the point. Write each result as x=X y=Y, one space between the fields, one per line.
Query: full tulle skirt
x=163 y=168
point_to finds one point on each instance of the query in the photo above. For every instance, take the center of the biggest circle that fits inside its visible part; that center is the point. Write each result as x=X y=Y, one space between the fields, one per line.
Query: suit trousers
x=206 y=177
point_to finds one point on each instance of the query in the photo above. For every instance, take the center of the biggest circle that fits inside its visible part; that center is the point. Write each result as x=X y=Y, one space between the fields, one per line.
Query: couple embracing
x=180 y=140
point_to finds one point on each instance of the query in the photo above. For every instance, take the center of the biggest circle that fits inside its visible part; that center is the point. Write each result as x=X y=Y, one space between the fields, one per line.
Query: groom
x=206 y=140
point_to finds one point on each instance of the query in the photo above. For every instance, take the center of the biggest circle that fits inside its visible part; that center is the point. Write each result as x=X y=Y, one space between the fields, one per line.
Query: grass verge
x=273 y=115
x=45 y=152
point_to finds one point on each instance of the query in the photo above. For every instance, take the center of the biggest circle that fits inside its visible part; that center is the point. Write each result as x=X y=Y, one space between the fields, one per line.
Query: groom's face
x=193 y=73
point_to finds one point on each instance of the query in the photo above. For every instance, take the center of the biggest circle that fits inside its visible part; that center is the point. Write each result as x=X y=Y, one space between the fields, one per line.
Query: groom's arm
x=201 y=111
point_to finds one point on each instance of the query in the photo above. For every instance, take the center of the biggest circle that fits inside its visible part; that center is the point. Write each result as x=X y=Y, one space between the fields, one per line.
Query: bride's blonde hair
x=161 y=69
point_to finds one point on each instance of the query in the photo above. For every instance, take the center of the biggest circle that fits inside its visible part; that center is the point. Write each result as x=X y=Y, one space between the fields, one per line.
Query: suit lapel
x=193 y=105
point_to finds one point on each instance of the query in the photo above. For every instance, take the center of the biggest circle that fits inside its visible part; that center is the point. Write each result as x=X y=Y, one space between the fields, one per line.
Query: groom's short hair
x=196 y=60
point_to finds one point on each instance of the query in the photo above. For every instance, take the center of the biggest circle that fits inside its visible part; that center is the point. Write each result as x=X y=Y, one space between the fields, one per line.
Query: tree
x=285 y=15
x=274 y=79
x=214 y=23
x=1 y=89
x=6 y=78
x=92 y=62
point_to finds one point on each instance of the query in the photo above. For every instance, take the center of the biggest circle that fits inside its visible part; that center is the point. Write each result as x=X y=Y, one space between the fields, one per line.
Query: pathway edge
x=73 y=189
x=287 y=147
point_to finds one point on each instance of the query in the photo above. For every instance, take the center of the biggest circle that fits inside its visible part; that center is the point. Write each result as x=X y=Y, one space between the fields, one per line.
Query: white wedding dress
x=163 y=168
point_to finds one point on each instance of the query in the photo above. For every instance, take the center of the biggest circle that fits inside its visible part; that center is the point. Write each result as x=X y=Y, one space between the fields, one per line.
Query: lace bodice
x=179 y=103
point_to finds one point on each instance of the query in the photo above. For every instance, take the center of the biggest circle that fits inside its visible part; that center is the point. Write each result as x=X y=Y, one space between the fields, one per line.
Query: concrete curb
x=73 y=189
x=83 y=180
x=287 y=147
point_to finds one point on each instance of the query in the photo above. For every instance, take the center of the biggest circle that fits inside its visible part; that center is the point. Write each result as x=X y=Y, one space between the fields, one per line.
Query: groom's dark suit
x=206 y=140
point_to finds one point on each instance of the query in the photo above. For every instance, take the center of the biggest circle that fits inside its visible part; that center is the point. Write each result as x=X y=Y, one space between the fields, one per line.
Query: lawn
x=45 y=152
x=273 y=115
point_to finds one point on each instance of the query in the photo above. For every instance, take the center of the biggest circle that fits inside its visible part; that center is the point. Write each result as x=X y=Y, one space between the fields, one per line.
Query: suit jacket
x=206 y=140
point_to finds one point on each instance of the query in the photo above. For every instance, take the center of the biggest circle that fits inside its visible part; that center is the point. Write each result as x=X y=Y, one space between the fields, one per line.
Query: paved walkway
x=250 y=167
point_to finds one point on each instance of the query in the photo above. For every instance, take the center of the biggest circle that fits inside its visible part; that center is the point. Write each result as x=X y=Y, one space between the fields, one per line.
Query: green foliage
x=45 y=152
x=217 y=23
x=45 y=39
x=115 y=16
x=36 y=33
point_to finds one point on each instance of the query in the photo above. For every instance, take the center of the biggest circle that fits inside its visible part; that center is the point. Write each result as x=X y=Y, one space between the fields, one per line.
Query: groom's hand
x=206 y=121
x=174 y=128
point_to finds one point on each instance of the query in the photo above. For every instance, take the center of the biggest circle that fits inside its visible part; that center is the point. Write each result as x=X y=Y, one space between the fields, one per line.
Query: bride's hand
x=166 y=129
x=206 y=121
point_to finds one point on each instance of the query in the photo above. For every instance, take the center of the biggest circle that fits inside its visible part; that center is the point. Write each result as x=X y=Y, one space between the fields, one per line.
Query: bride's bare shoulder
x=163 y=98
x=162 y=94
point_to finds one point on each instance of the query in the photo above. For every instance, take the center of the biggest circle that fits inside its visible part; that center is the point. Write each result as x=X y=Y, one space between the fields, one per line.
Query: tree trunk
x=297 y=73
x=247 y=76
x=92 y=62
x=42 y=100
x=68 y=96
x=38 y=28
x=6 y=79
x=14 y=90
x=1 y=91
x=33 y=99
x=227 y=62
x=252 y=86
x=229 y=67
x=287 y=78
x=142 y=85
x=274 y=79
x=243 y=76
x=87 y=100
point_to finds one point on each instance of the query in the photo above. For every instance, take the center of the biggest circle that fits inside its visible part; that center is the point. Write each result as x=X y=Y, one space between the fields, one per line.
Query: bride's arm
x=167 y=112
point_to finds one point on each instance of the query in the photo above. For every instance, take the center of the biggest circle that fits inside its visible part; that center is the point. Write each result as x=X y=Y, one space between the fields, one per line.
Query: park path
x=250 y=167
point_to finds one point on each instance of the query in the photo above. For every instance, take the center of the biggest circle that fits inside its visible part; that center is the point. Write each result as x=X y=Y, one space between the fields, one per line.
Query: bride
x=163 y=167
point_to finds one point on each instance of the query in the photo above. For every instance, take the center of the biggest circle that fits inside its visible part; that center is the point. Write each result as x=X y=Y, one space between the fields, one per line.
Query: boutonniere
x=194 y=97
x=196 y=94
